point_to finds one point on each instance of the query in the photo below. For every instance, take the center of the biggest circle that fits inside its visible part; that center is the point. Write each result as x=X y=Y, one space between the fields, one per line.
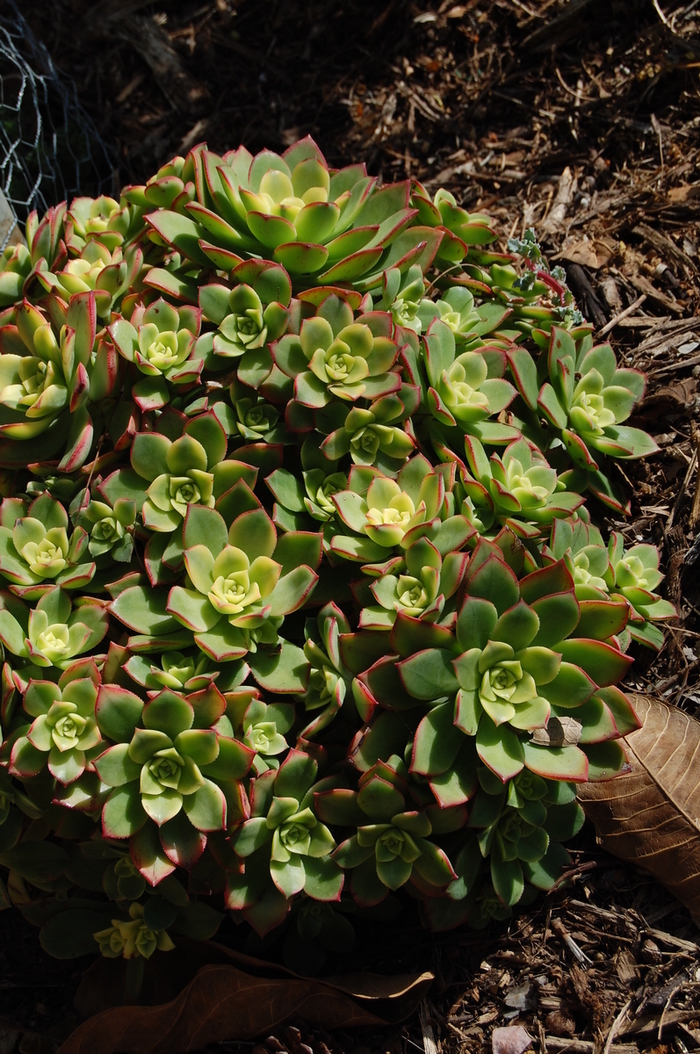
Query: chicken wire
x=50 y=149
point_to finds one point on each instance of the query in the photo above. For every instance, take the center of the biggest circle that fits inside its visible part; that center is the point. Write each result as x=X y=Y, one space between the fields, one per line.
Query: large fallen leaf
x=224 y=1001
x=650 y=816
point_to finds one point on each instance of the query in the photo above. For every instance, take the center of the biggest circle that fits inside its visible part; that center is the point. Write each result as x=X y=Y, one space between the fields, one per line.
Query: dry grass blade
x=651 y=815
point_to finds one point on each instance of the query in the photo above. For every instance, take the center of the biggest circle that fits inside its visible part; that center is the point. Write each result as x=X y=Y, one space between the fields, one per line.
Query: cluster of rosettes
x=300 y=601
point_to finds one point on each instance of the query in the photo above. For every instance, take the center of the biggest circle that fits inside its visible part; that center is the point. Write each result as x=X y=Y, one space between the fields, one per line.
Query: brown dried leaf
x=651 y=815
x=224 y=1002
x=560 y=731
x=677 y=395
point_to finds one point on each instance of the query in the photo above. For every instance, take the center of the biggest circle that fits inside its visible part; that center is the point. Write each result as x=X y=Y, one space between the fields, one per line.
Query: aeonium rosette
x=456 y=310
x=375 y=435
x=581 y=545
x=329 y=678
x=110 y=528
x=525 y=659
x=248 y=316
x=54 y=631
x=255 y=419
x=588 y=398
x=323 y=225
x=102 y=218
x=402 y=294
x=391 y=845
x=461 y=229
x=338 y=356
x=63 y=736
x=159 y=339
x=36 y=551
x=261 y=726
x=386 y=514
x=634 y=575
x=172 y=765
x=45 y=248
x=611 y=571
x=168 y=477
x=50 y=369
x=132 y=939
x=286 y=848
x=417 y=585
x=465 y=390
x=518 y=489
x=44 y=372
x=237 y=593
x=300 y=502
x=181 y=671
x=108 y=272
x=520 y=827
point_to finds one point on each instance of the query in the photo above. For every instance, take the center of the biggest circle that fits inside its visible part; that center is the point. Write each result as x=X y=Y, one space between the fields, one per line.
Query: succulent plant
x=36 y=551
x=402 y=296
x=64 y=736
x=45 y=248
x=15 y=269
x=418 y=587
x=168 y=477
x=159 y=340
x=460 y=229
x=391 y=845
x=164 y=753
x=634 y=575
x=466 y=390
x=518 y=489
x=329 y=678
x=107 y=273
x=508 y=682
x=129 y=940
x=587 y=398
x=102 y=219
x=304 y=503
x=321 y=225
x=44 y=373
x=456 y=309
x=581 y=545
x=338 y=356
x=286 y=848
x=178 y=671
x=255 y=419
x=237 y=596
x=110 y=528
x=373 y=436
x=261 y=726
x=248 y=317
x=386 y=513
x=300 y=584
x=612 y=572
x=55 y=631
x=513 y=827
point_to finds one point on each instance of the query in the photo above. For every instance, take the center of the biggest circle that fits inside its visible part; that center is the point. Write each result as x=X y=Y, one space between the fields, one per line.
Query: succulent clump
x=302 y=610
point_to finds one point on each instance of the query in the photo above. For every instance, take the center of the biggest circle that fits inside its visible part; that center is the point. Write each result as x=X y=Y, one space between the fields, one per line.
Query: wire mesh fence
x=49 y=147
